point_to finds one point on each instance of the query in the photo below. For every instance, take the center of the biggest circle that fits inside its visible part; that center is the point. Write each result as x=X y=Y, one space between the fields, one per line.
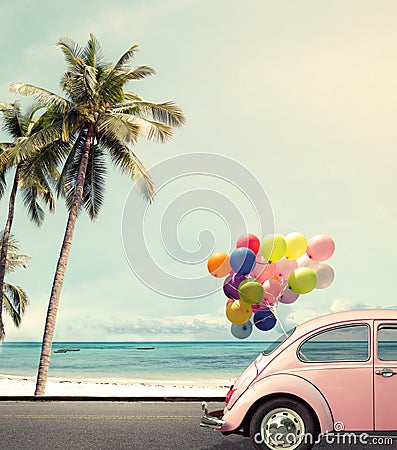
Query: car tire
x=283 y=423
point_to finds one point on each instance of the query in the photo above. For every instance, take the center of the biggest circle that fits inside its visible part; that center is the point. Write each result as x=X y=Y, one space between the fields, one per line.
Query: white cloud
x=300 y=315
x=188 y=325
x=339 y=305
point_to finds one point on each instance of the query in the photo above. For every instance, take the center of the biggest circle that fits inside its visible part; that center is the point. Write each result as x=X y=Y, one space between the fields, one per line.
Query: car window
x=344 y=343
x=387 y=342
x=271 y=347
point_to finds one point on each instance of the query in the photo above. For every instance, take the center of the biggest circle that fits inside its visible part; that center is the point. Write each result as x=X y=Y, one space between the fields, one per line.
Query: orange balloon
x=219 y=265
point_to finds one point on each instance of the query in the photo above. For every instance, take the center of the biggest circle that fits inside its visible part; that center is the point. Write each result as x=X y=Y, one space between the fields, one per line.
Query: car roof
x=345 y=316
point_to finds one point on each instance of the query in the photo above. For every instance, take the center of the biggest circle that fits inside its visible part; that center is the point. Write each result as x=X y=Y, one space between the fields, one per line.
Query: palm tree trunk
x=4 y=246
x=59 y=276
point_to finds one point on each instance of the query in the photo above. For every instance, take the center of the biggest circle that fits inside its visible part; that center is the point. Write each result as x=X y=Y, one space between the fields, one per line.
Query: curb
x=57 y=398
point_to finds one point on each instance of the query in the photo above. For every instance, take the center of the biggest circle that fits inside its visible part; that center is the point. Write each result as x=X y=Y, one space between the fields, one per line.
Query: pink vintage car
x=331 y=374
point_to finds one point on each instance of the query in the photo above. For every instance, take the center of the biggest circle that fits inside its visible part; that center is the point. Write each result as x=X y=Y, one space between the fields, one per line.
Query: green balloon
x=302 y=280
x=250 y=291
x=273 y=247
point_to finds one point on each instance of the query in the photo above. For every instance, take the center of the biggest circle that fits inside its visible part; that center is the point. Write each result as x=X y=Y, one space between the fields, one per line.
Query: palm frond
x=112 y=85
x=129 y=164
x=119 y=126
x=110 y=89
x=127 y=56
x=152 y=130
x=44 y=162
x=25 y=148
x=111 y=78
x=15 y=259
x=167 y=113
x=41 y=95
x=35 y=211
x=80 y=85
x=3 y=184
x=35 y=186
x=92 y=53
x=90 y=81
x=71 y=123
x=62 y=186
x=49 y=117
x=68 y=178
x=138 y=73
x=3 y=169
x=71 y=51
x=12 y=119
x=94 y=184
x=31 y=117
x=132 y=96
x=15 y=301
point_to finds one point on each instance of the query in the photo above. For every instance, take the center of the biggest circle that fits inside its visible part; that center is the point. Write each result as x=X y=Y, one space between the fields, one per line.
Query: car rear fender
x=278 y=385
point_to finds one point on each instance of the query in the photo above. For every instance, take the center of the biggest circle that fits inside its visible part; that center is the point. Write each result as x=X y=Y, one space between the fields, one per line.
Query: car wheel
x=283 y=423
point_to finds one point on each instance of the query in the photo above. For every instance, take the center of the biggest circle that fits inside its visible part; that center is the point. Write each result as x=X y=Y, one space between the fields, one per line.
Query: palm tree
x=15 y=299
x=31 y=176
x=98 y=118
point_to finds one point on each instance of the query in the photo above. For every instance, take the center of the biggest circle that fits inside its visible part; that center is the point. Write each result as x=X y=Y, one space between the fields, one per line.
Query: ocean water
x=123 y=360
x=167 y=360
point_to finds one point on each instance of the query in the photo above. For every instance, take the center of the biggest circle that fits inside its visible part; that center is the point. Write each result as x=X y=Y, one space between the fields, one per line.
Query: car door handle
x=386 y=372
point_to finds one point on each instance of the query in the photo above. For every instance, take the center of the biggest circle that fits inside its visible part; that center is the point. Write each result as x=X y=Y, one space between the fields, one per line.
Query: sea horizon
x=124 y=360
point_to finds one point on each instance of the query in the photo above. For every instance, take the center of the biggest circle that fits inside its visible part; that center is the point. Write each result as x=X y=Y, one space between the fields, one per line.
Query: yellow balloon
x=238 y=312
x=296 y=245
x=273 y=247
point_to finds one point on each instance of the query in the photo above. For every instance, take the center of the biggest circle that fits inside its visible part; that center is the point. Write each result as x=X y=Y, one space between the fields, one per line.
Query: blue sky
x=302 y=94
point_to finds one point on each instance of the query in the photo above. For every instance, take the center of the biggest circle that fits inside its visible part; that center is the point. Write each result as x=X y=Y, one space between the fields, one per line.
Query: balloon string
x=278 y=319
x=273 y=308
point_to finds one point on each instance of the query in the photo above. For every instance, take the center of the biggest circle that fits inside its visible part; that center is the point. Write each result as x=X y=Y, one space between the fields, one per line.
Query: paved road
x=103 y=425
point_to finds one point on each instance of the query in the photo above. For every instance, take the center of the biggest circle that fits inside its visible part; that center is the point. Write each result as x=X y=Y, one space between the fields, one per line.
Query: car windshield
x=278 y=341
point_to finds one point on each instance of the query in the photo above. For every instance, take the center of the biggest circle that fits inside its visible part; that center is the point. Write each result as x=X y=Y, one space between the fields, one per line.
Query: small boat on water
x=145 y=348
x=64 y=350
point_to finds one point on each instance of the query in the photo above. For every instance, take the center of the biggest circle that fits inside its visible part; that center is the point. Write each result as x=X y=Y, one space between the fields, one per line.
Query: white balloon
x=241 y=331
x=325 y=275
x=305 y=261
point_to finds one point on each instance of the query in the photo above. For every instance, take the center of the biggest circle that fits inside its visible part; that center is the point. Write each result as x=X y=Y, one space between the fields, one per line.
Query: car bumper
x=211 y=420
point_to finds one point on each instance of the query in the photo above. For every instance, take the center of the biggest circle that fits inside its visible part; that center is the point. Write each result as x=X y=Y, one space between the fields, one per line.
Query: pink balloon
x=320 y=248
x=267 y=300
x=267 y=273
x=288 y=297
x=255 y=308
x=260 y=267
x=284 y=267
x=272 y=287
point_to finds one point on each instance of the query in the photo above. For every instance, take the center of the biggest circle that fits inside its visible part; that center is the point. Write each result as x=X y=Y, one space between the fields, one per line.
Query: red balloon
x=249 y=241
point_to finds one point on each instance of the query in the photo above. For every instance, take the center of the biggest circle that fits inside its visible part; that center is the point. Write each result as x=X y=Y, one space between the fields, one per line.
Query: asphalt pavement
x=102 y=425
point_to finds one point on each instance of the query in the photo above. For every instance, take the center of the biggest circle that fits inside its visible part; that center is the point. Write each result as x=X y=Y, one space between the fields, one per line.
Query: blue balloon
x=241 y=331
x=264 y=319
x=242 y=260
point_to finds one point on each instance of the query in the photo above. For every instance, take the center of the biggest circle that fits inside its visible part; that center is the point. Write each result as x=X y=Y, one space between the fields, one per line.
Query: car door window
x=344 y=343
x=387 y=342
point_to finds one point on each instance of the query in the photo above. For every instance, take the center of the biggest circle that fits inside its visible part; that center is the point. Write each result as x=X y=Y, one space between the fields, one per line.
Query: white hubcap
x=282 y=428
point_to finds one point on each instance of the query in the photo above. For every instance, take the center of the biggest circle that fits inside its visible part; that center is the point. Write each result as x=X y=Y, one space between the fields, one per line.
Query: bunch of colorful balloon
x=260 y=275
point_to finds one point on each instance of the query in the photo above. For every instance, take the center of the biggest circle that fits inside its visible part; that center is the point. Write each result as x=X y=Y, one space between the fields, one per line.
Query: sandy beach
x=11 y=385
